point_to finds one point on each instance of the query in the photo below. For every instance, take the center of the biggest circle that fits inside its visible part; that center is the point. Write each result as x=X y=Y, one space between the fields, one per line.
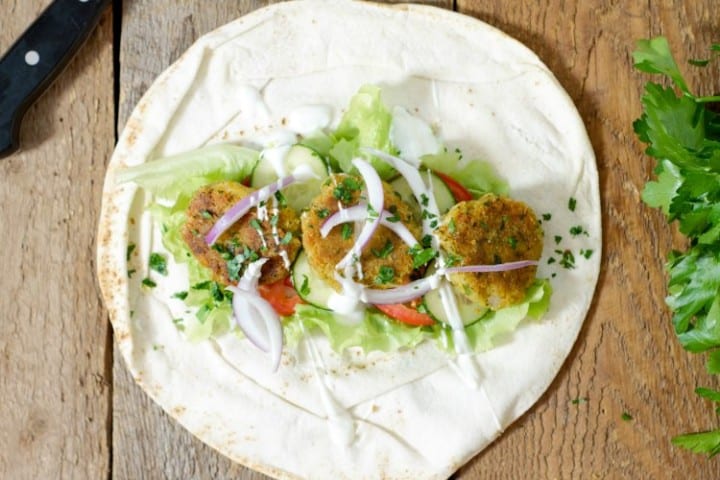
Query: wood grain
x=54 y=388
x=61 y=418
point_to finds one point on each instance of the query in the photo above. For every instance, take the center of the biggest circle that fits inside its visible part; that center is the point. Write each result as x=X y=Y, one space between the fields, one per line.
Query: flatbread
x=414 y=417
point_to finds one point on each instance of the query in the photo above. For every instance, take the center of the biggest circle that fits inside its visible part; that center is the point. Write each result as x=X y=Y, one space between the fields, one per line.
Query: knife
x=37 y=57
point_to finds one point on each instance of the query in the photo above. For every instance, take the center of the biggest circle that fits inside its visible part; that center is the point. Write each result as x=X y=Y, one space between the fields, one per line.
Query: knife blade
x=37 y=57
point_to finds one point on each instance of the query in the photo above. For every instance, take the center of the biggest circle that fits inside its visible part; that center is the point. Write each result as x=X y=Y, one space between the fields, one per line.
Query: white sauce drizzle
x=340 y=422
x=309 y=119
x=275 y=156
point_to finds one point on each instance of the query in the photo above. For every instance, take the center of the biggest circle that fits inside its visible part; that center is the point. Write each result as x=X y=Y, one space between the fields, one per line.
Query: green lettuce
x=375 y=332
x=177 y=177
x=477 y=176
x=366 y=123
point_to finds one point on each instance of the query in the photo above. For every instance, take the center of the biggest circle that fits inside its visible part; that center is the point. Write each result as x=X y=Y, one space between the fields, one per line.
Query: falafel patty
x=247 y=240
x=489 y=231
x=385 y=260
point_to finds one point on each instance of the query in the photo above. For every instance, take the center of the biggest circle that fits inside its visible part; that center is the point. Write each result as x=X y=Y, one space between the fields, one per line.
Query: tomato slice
x=460 y=193
x=282 y=298
x=405 y=314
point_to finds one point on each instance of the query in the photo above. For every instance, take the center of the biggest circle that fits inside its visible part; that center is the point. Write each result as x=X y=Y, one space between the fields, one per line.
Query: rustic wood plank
x=627 y=357
x=54 y=336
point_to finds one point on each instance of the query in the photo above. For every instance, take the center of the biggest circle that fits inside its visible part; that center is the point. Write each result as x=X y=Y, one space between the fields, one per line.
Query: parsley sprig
x=683 y=134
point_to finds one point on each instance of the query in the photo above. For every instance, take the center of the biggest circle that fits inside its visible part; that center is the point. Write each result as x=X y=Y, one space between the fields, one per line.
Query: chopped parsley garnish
x=322 y=213
x=586 y=253
x=567 y=259
x=347 y=231
x=512 y=241
x=282 y=202
x=421 y=256
x=149 y=283
x=426 y=241
x=158 y=263
x=579 y=400
x=451 y=227
x=434 y=224
x=179 y=324
x=551 y=260
x=385 y=251
x=558 y=239
x=131 y=272
x=572 y=203
x=255 y=223
x=215 y=289
x=385 y=275
x=546 y=216
x=235 y=267
x=578 y=230
x=287 y=238
x=130 y=250
x=180 y=295
x=344 y=190
x=424 y=200
x=626 y=417
x=305 y=287
x=206 y=214
x=274 y=220
x=452 y=260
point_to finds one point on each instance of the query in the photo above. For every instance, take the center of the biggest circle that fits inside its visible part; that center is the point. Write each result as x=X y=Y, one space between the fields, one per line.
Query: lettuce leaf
x=175 y=178
x=375 y=332
x=478 y=176
x=366 y=123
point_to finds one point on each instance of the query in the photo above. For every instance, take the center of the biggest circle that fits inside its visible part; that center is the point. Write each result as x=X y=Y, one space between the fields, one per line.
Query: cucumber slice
x=470 y=312
x=443 y=195
x=310 y=287
x=298 y=195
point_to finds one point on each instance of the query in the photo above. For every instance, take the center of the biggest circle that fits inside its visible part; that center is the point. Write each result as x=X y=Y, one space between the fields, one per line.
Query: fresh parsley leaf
x=421 y=256
x=346 y=231
x=654 y=56
x=546 y=216
x=626 y=417
x=148 y=283
x=385 y=275
x=385 y=251
x=579 y=400
x=255 y=223
x=158 y=263
x=322 y=213
x=130 y=249
x=287 y=238
x=572 y=203
x=703 y=442
x=683 y=135
x=451 y=227
x=180 y=295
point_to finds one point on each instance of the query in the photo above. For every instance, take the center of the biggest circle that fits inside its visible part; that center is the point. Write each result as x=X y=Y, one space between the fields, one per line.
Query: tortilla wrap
x=414 y=417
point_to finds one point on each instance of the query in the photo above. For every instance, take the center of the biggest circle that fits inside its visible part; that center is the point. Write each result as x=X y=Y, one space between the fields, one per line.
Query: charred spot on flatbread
x=489 y=231
x=274 y=237
x=384 y=253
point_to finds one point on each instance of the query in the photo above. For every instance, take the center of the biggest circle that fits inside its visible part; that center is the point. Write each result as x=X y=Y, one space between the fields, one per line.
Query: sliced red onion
x=273 y=330
x=417 y=185
x=500 y=267
x=376 y=198
x=401 y=294
x=360 y=212
x=255 y=316
x=253 y=326
x=237 y=211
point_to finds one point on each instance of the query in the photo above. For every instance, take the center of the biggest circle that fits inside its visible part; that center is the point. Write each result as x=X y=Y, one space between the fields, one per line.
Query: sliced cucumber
x=470 y=312
x=443 y=195
x=308 y=284
x=298 y=195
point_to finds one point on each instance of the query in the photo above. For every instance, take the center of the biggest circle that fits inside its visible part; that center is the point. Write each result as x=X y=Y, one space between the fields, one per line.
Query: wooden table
x=69 y=409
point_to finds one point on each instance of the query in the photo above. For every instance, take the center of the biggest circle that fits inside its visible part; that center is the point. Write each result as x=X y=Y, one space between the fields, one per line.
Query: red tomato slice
x=281 y=297
x=403 y=313
x=460 y=193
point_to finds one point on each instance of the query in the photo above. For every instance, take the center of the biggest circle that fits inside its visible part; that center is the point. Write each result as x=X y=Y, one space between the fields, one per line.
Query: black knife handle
x=37 y=57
